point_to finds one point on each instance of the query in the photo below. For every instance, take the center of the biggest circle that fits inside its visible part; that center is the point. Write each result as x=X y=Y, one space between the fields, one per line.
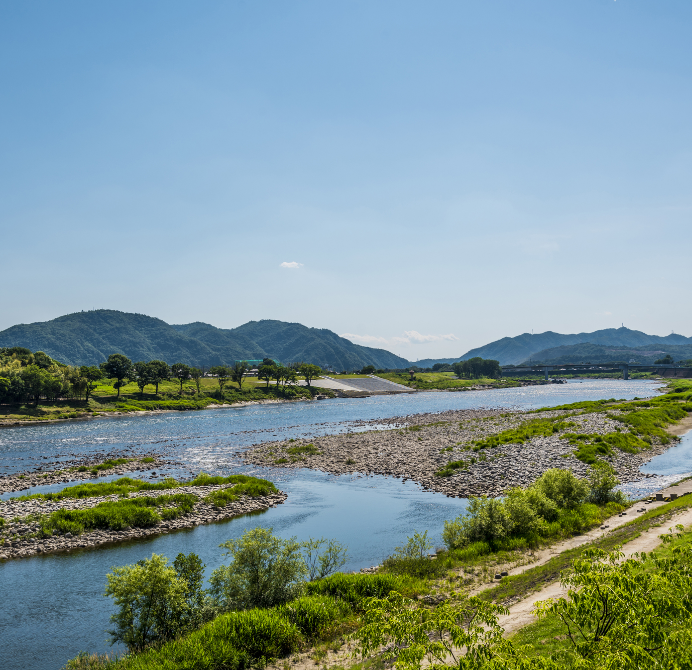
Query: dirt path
x=544 y=555
x=521 y=614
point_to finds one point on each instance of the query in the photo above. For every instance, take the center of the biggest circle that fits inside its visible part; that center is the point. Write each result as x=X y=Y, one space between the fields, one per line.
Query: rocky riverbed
x=81 y=469
x=21 y=534
x=421 y=445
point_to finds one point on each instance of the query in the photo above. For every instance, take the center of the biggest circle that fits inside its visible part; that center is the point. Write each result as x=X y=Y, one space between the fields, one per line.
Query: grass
x=104 y=400
x=106 y=465
x=592 y=445
x=306 y=449
x=518 y=586
x=441 y=380
x=645 y=419
x=243 y=485
x=523 y=433
x=548 y=636
x=119 y=515
x=251 y=638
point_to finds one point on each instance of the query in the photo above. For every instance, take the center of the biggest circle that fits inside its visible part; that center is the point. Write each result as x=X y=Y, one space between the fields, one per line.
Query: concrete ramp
x=373 y=384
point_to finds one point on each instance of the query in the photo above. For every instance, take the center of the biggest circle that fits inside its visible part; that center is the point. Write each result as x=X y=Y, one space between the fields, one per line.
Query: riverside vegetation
x=92 y=514
x=34 y=387
x=472 y=452
x=267 y=604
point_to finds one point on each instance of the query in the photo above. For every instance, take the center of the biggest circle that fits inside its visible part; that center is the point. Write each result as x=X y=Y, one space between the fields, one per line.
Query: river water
x=52 y=607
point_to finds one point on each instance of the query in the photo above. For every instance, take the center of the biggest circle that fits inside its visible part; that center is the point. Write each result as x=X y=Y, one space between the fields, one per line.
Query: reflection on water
x=62 y=610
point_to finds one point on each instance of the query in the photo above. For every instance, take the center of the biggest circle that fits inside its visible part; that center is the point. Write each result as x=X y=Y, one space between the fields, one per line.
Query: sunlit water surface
x=53 y=606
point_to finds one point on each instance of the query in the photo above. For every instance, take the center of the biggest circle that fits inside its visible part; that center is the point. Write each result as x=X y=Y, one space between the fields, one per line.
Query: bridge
x=665 y=370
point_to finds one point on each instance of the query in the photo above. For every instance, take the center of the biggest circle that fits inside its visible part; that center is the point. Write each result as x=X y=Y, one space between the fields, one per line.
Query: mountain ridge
x=88 y=338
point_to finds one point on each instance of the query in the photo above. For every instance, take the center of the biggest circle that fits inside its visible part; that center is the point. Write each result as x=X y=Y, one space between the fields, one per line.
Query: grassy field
x=105 y=399
x=442 y=380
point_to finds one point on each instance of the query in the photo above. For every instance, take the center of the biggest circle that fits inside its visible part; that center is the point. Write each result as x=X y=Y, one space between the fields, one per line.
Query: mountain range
x=528 y=347
x=598 y=353
x=88 y=338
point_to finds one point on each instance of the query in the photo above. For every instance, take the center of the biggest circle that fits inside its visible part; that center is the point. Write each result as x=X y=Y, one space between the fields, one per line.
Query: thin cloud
x=409 y=337
x=292 y=265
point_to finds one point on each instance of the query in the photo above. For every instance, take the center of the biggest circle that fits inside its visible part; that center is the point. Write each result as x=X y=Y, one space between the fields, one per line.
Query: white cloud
x=409 y=337
x=292 y=265
x=416 y=338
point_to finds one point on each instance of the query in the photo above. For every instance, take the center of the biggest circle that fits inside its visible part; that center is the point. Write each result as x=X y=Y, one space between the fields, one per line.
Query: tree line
x=25 y=375
x=478 y=367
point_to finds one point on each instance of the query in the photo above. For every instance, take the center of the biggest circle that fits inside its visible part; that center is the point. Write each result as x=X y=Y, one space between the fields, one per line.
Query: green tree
x=279 y=373
x=141 y=375
x=290 y=376
x=5 y=386
x=43 y=360
x=91 y=374
x=266 y=571
x=323 y=557
x=309 y=372
x=197 y=375
x=151 y=599
x=36 y=380
x=266 y=372
x=222 y=374
x=238 y=373
x=181 y=372
x=190 y=569
x=562 y=487
x=118 y=367
x=160 y=372
x=462 y=635
x=626 y=614
x=602 y=482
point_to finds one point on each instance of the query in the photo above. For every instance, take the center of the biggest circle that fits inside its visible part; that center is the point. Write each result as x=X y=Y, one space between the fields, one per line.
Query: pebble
x=420 y=445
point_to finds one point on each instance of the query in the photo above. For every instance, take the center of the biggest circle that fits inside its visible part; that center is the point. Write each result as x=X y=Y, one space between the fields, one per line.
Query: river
x=53 y=607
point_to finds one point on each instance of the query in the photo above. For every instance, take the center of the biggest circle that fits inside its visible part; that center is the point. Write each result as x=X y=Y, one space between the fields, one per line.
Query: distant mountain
x=516 y=350
x=598 y=353
x=429 y=362
x=88 y=338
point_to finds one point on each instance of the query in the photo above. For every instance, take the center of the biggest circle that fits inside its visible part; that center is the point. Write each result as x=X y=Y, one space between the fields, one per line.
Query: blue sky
x=435 y=175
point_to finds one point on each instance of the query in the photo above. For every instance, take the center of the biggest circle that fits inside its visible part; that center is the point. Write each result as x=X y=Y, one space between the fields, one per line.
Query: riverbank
x=165 y=406
x=133 y=405
x=485 y=452
x=23 y=533
x=82 y=469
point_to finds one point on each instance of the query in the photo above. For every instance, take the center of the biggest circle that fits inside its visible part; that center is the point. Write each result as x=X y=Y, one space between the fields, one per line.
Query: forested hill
x=88 y=338
x=516 y=350
x=598 y=353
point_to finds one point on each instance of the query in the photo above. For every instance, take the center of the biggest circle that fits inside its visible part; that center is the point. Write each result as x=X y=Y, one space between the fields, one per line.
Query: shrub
x=562 y=487
x=412 y=559
x=486 y=520
x=602 y=482
x=312 y=615
x=265 y=571
x=117 y=515
x=352 y=589
x=263 y=634
x=148 y=595
x=320 y=564
x=525 y=517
